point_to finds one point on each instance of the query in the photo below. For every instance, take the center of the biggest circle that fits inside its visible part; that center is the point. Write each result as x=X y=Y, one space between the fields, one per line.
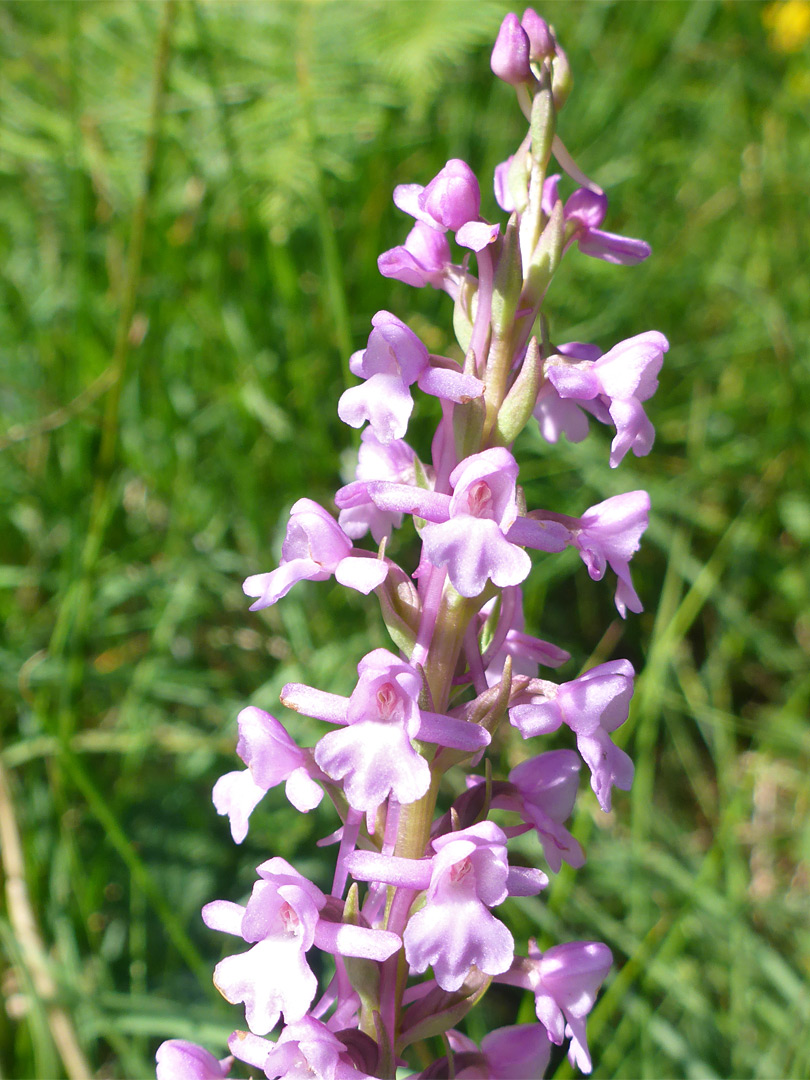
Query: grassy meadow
x=193 y=196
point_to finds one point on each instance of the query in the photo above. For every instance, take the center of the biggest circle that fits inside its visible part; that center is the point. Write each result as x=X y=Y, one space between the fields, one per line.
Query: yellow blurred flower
x=789 y=24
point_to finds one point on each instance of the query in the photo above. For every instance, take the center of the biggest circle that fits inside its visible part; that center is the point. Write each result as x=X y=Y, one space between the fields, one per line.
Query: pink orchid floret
x=450 y=200
x=391 y=363
x=583 y=212
x=373 y=755
x=475 y=532
x=472 y=543
x=315 y=547
x=565 y=981
x=272 y=758
x=608 y=534
x=455 y=928
x=592 y=706
x=178 y=1059
x=612 y=386
x=395 y=462
x=424 y=259
x=282 y=922
x=547 y=787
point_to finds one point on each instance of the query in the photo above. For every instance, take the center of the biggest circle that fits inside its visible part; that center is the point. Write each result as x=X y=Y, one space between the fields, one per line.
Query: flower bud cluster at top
x=411 y=918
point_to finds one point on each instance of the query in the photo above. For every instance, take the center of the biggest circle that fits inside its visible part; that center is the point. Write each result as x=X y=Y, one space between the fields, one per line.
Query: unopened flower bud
x=510 y=56
x=541 y=39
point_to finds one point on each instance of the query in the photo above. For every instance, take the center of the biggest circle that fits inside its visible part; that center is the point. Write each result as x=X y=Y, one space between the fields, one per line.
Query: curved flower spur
x=416 y=926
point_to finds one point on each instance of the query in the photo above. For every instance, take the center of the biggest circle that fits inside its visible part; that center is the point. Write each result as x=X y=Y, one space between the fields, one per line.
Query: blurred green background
x=192 y=200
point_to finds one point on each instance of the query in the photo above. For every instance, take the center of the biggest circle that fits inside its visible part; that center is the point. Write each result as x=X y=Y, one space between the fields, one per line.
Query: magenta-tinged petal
x=559 y=417
x=251 y=1049
x=406 y=198
x=382 y=400
x=510 y=55
x=362 y=574
x=449 y=731
x=542 y=535
x=266 y=748
x=477 y=235
x=601 y=700
x=180 y=1060
x=343 y=939
x=225 y=916
x=271 y=978
x=549 y=781
x=626 y=596
x=630 y=369
x=574 y=382
x=610 y=766
x=475 y=550
x=452 y=937
x=451 y=385
x=541 y=38
x=540 y=718
x=399 y=498
x=302 y=791
x=390 y=869
x=452 y=197
x=373 y=760
x=271 y=587
x=619 y=250
x=523 y=881
x=317 y=703
x=633 y=430
x=236 y=794
x=517 y=1052
x=586 y=207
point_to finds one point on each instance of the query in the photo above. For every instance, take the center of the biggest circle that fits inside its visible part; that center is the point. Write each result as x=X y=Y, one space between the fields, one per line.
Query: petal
x=477 y=235
x=619 y=250
x=302 y=791
x=237 y=794
x=362 y=574
x=382 y=400
x=475 y=550
x=271 y=587
x=373 y=760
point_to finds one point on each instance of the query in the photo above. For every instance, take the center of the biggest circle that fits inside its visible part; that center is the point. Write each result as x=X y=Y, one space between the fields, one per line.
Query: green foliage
x=128 y=527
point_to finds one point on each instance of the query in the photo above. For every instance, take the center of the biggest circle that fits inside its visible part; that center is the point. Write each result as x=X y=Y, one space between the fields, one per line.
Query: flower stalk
x=419 y=936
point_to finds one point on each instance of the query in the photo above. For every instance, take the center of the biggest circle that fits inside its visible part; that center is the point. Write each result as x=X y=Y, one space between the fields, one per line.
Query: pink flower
x=612 y=386
x=392 y=362
x=392 y=461
x=455 y=929
x=373 y=755
x=314 y=548
x=450 y=200
x=565 y=981
x=507 y=1053
x=592 y=706
x=424 y=259
x=282 y=920
x=271 y=757
x=607 y=534
x=583 y=212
